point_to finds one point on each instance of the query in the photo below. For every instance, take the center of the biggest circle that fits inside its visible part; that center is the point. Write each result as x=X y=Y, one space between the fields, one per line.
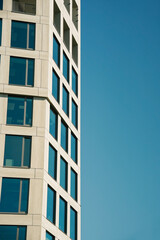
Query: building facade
x=40 y=120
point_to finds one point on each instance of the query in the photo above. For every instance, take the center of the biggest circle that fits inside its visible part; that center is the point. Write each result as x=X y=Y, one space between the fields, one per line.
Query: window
x=57 y=17
x=73 y=184
x=21 y=71
x=65 y=104
x=17 y=156
x=75 y=13
x=74 y=114
x=53 y=123
x=55 y=86
x=74 y=82
x=64 y=174
x=73 y=224
x=64 y=136
x=56 y=51
x=19 y=111
x=67 y=5
x=1 y=4
x=73 y=148
x=23 y=35
x=51 y=205
x=49 y=236
x=14 y=195
x=65 y=67
x=0 y=31
x=52 y=165
x=74 y=50
x=27 y=7
x=63 y=215
x=12 y=232
x=66 y=35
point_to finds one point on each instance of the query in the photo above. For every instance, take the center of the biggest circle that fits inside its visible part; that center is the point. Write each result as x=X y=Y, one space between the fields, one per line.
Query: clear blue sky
x=120 y=120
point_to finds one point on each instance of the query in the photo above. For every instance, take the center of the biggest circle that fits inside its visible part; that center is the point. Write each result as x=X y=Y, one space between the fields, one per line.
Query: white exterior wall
x=35 y=220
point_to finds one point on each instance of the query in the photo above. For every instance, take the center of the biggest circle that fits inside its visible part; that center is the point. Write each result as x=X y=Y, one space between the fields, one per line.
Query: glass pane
x=13 y=154
x=56 y=51
x=15 y=111
x=24 y=196
x=31 y=36
x=74 y=114
x=52 y=165
x=65 y=67
x=19 y=35
x=63 y=174
x=63 y=215
x=27 y=151
x=17 y=74
x=53 y=124
x=55 y=86
x=73 y=185
x=22 y=233
x=64 y=137
x=49 y=236
x=22 y=6
x=8 y=232
x=0 y=30
x=29 y=111
x=10 y=195
x=73 y=224
x=30 y=78
x=65 y=105
x=51 y=205
x=1 y=4
x=74 y=148
x=74 y=82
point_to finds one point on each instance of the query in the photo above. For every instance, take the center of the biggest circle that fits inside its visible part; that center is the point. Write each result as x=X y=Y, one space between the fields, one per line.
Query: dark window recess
x=23 y=6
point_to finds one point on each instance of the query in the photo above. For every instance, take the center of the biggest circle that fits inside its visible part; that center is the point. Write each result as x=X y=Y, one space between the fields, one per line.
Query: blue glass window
x=73 y=148
x=64 y=174
x=12 y=232
x=21 y=71
x=73 y=224
x=55 y=86
x=49 y=236
x=65 y=104
x=73 y=184
x=14 y=195
x=27 y=7
x=19 y=111
x=52 y=165
x=64 y=136
x=17 y=156
x=56 y=51
x=63 y=215
x=0 y=31
x=74 y=82
x=1 y=4
x=23 y=35
x=74 y=114
x=51 y=205
x=53 y=123
x=65 y=67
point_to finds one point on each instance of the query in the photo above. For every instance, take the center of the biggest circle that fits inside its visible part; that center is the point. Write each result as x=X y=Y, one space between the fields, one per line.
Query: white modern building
x=40 y=120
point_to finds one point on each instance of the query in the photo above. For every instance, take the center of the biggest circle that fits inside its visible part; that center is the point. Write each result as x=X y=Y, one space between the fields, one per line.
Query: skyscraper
x=40 y=120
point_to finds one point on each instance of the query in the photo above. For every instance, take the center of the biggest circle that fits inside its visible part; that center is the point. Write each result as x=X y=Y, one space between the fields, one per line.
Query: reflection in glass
x=73 y=184
x=73 y=224
x=52 y=165
x=74 y=114
x=74 y=82
x=12 y=232
x=63 y=174
x=53 y=123
x=51 y=205
x=55 y=86
x=65 y=104
x=49 y=236
x=17 y=156
x=73 y=148
x=14 y=195
x=56 y=51
x=66 y=67
x=63 y=215
x=64 y=136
